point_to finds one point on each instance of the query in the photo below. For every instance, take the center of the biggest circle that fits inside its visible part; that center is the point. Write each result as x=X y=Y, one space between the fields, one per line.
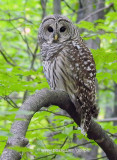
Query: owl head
x=56 y=29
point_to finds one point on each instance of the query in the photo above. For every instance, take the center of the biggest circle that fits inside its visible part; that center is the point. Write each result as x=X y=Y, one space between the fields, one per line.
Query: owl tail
x=85 y=122
x=86 y=117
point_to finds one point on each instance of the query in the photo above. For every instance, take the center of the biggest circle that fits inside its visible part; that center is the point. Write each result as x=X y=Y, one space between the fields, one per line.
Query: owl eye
x=50 y=29
x=62 y=29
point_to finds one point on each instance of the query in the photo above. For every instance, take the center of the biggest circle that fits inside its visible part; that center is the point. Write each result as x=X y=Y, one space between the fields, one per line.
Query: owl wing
x=84 y=70
x=82 y=66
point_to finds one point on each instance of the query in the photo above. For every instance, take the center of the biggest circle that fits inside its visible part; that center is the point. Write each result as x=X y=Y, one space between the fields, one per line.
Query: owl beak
x=56 y=37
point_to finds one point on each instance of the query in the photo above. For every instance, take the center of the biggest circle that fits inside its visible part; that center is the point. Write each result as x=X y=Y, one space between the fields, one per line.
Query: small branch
x=34 y=57
x=14 y=19
x=64 y=142
x=82 y=8
x=113 y=135
x=69 y=6
x=24 y=39
x=82 y=144
x=4 y=56
x=51 y=128
x=10 y=101
x=108 y=120
x=97 y=11
x=99 y=158
x=60 y=147
x=58 y=114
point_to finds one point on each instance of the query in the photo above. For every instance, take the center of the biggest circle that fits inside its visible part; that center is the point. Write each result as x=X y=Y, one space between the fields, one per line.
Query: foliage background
x=21 y=74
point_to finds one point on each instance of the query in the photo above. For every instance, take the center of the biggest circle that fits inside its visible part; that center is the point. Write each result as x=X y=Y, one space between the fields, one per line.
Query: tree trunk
x=57 y=6
x=43 y=4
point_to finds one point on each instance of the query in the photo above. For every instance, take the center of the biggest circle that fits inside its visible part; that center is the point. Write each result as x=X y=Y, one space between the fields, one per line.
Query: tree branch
x=99 y=158
x=6 y=59
x=58 y=114
x=114 y=119
x=69 y=6
x=15 y=19
x=46 y=98
x=97 y=11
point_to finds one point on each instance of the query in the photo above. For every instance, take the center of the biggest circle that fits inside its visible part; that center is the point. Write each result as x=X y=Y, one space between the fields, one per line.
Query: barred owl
x=68 y=64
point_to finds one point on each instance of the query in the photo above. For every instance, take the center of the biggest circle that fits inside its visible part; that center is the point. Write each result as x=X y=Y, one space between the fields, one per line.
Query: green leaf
x=87 y=25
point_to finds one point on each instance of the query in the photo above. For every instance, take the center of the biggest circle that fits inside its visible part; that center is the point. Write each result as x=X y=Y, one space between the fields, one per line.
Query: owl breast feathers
x=69 y=65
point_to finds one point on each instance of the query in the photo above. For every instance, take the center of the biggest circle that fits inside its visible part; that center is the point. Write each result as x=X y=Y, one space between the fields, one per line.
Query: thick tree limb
x=45 y=98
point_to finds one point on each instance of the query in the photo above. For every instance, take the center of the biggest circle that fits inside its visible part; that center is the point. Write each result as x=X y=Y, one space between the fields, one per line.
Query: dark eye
x=62 y=29
x=50 y=29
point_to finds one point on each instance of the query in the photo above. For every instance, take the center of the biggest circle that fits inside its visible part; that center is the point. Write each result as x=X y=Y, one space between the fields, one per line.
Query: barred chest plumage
x=70 y=67
x=58 y=68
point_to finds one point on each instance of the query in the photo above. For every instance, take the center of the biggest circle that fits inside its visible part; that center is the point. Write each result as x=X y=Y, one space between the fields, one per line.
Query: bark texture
x=57 y=6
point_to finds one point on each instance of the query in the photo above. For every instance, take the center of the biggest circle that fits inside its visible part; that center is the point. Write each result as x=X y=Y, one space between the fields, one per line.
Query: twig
x=99 y=158
x=11 y=102
x=4 y=56
x=113 y=135
x=64 y=142
x=82 y=144
x=58 y=114
x=34 y=57
x=89 y=4
x=50 y=127
x=61 y=147
x=69 y=6
x=14 y=19
x=24 y=39
x=107 y=120
x=97 y=11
